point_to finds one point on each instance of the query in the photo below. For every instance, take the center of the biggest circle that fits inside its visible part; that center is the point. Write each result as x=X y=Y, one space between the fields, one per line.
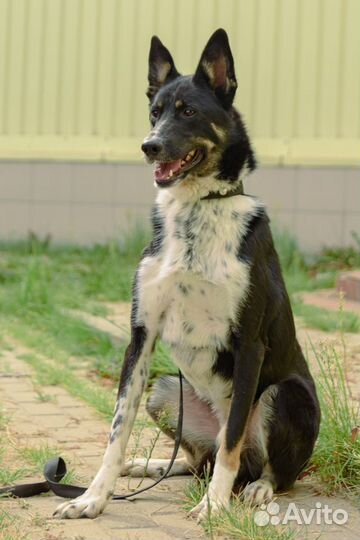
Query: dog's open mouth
x=167 y=171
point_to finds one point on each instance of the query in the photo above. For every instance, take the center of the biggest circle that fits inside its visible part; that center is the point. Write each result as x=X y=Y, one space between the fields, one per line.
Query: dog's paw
x=139 y=467
x=208 y=506
x=85 y=506
x=258 y=492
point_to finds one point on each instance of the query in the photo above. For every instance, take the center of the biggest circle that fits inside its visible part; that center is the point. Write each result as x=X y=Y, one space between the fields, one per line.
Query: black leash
x=55 y=470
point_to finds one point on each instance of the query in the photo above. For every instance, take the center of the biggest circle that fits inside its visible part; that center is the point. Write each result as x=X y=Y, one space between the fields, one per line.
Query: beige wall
x=73 y=74
x=87 y=203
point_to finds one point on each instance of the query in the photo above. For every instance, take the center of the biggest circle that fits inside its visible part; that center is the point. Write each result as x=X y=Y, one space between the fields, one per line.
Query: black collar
x=222 y=194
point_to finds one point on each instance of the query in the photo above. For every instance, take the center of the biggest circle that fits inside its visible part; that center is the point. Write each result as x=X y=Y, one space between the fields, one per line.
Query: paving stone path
x=81 y=436
x=73 y=427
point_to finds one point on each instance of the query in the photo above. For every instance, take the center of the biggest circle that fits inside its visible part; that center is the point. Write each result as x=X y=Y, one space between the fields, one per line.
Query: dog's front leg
x=248 y=360
x=133 y=379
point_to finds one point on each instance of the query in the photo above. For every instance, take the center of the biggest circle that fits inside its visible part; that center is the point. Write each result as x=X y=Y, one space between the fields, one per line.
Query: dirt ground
x=77 y=431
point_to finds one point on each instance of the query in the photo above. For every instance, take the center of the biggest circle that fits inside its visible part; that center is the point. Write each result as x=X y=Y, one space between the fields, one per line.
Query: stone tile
x=320 y=189
x=352 y=196
x=19 y=386
x=51 y=182
x=316 y=229
x=134 y=185
x=50 y=219
x=39 y=408
x=24 y=397
x=93 y=183
x=14 y=219
x=351 y=225
x=329 y=299
x=274 y=186
x=284 y=220
x=130 y=188
x=155 y=515
x=131 y=520
x=91 y=223
x=126 y=218
x=15 y=182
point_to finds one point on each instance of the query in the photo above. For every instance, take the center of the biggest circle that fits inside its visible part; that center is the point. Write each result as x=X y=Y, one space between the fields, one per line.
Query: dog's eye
x=155 y=113
x=189 y=112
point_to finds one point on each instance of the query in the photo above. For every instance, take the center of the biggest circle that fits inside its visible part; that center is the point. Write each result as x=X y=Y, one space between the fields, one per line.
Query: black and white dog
x=210 y=286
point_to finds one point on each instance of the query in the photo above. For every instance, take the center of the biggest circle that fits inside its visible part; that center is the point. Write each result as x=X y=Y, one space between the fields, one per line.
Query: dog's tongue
x=162 y=170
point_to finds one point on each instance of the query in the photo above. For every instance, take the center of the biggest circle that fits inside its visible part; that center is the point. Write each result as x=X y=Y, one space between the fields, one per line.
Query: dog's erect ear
x=216 y=68
x=161 y=67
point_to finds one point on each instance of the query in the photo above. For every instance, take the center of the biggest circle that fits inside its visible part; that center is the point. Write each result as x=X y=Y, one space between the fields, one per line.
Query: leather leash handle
x=24 y=490
x=55 y=470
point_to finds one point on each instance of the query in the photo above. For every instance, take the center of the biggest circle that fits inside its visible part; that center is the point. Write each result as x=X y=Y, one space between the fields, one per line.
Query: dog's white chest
x=191 y=290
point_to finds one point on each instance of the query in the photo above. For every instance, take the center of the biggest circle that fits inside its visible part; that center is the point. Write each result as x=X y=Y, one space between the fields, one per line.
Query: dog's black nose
x=152 y=148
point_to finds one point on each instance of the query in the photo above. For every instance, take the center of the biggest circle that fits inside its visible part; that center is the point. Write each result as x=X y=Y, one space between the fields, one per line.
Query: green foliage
x=72 y=274
x=102 y=400
x=9 y=477
x=291 y=258
x=235 y=522
x=340 y=258
x=10 y=527
x=40 y=282
x=161 y=364
x=325 y=320
x=336 y=459
x=298 y=274
x=301 y=274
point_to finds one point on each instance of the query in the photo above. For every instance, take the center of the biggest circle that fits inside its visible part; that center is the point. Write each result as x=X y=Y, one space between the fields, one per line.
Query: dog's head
x=195 y=129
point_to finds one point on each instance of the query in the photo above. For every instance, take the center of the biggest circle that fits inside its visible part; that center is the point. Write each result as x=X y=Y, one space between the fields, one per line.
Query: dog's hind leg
x=140 y=467
x=283 y=428
x=200 y=428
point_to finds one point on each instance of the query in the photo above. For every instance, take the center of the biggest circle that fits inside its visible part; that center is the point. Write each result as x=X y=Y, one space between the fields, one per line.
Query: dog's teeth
x=191 y=153
x=188 y=157
x=171 y=173
x=182 y=162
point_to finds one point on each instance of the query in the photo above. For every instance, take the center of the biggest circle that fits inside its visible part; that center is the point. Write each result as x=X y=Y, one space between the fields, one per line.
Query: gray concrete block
x=320 y=189
x=93 y=183
x=15 y=181
x=51 y=182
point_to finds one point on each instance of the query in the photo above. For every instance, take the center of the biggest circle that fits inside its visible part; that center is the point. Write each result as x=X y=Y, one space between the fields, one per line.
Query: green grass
x=236 y=522
x=343 y=258
x=50 y=373
x=325 y=320
x=40 y=274
x=18 y=462
x=297 y=271
x=74 y=343
x=318 y=271
x=161 y=363
x=38 y=456
x=303 y=274
x=31 y=459
x=10 y=527
x=4 y=419
x=336 y=459
x=9 y=477
x=39 y=283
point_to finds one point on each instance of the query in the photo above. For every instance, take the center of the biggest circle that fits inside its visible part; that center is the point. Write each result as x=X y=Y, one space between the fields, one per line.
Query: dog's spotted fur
x=210 y=286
